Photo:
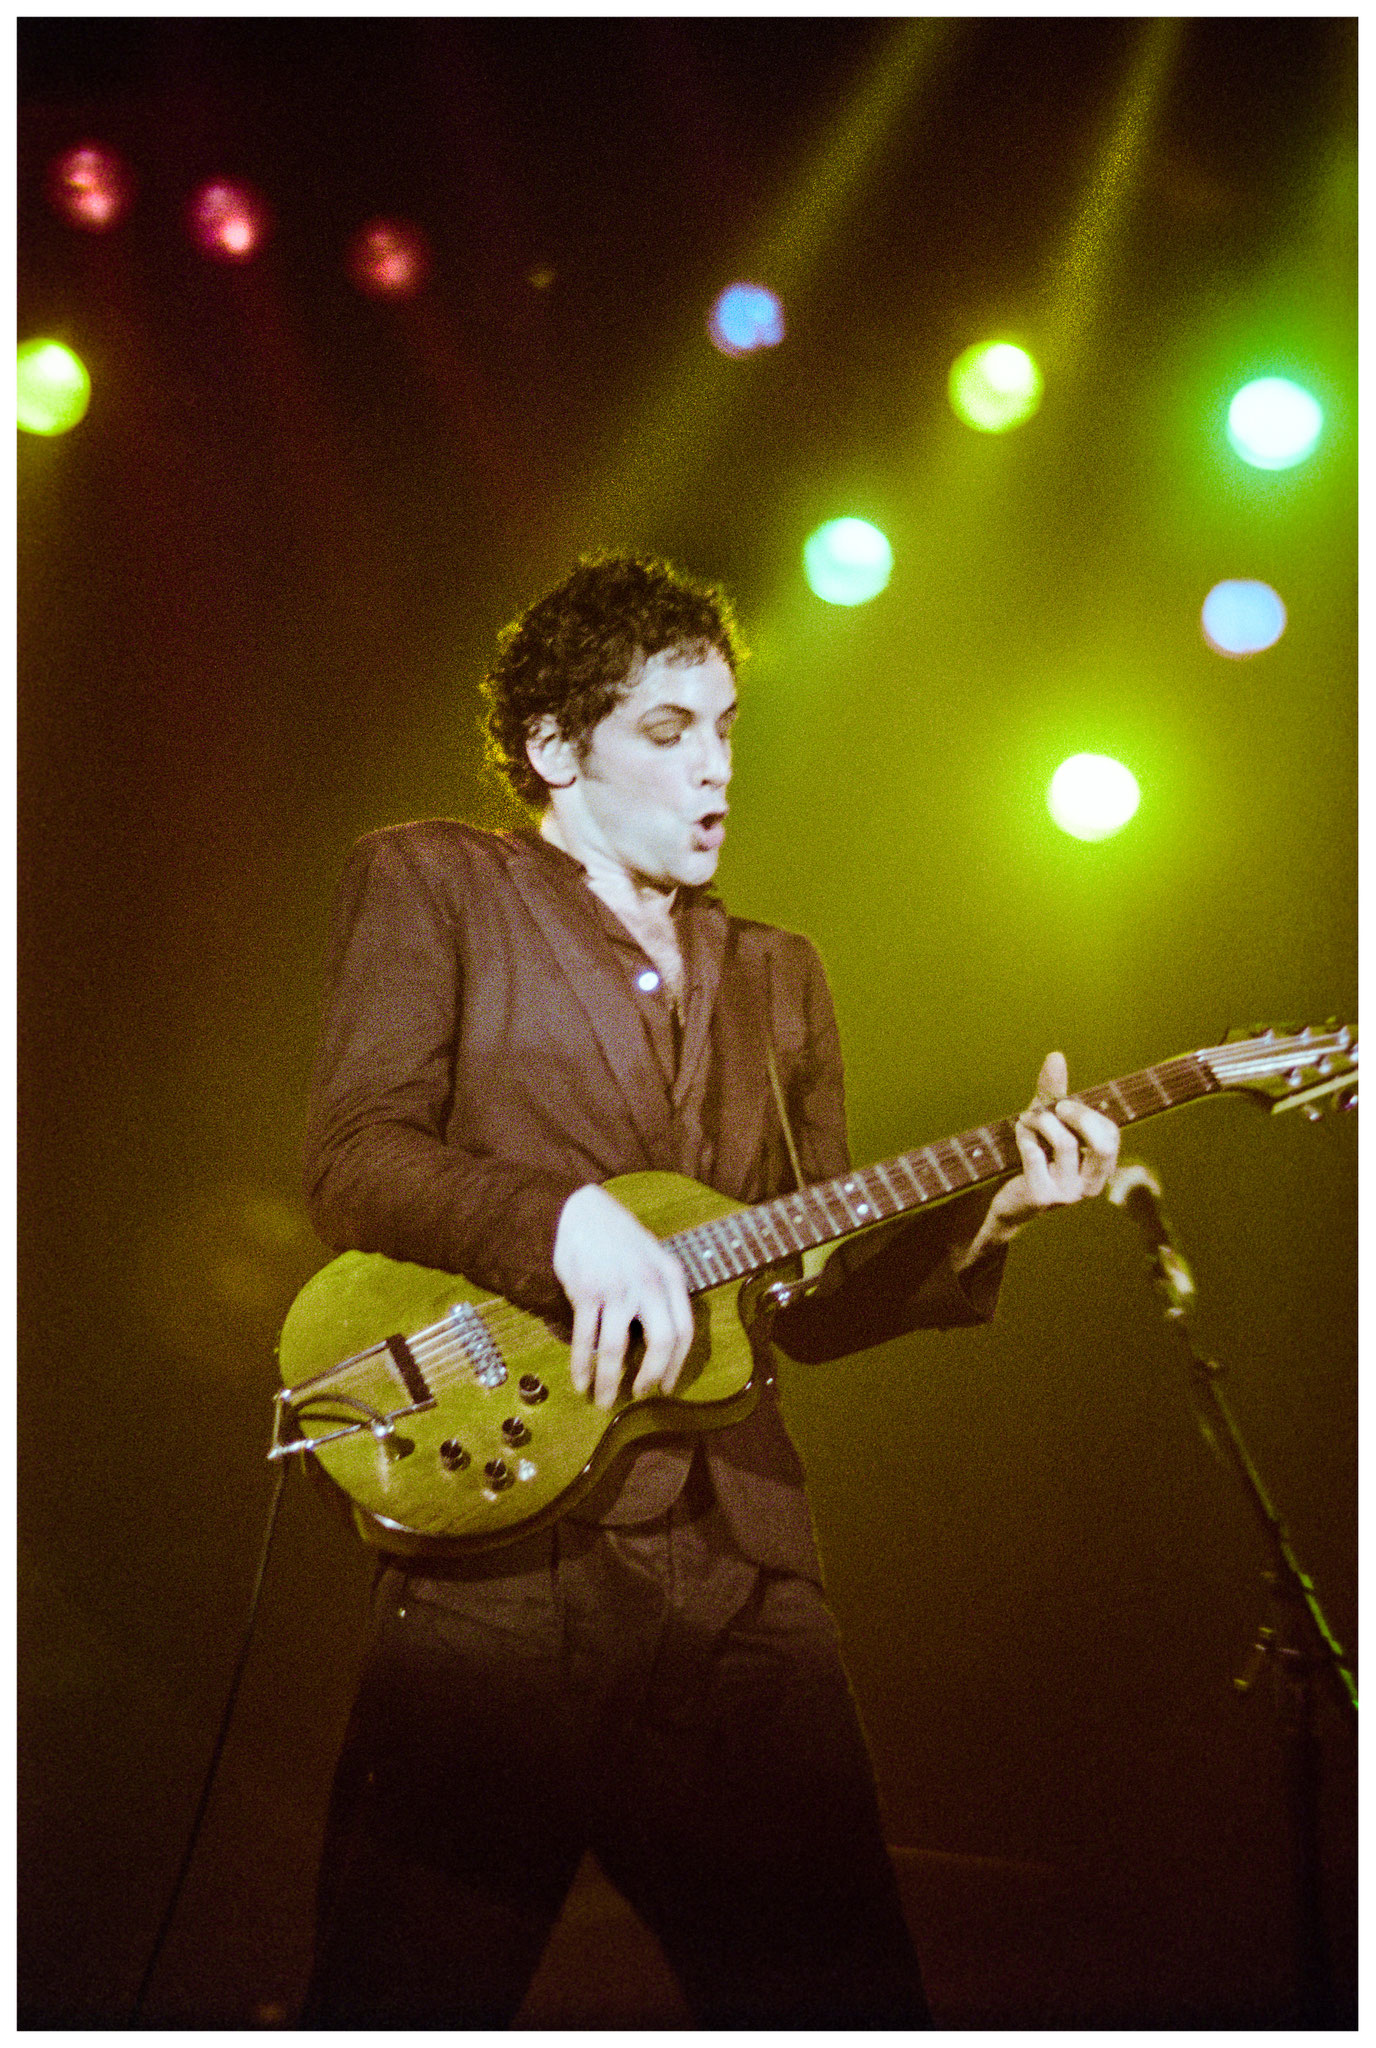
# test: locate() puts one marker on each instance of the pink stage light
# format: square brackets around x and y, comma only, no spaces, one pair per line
[90,186]
[388,259]
[228,221]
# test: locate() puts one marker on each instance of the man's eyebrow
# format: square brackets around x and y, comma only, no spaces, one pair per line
[682,711]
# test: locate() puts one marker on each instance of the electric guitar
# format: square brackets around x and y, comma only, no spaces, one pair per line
[447,1416]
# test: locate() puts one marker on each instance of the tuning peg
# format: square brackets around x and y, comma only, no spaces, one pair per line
[1348,1099]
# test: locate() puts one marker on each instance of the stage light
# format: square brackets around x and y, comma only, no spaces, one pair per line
[745,317]
[54,388]
[1241,618]
[1092,796]
[388,259]
[847,561]
[228,221]
[1273,424]
[90,186]
[994,386]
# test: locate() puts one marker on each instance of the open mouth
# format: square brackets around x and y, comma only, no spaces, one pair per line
[709,831]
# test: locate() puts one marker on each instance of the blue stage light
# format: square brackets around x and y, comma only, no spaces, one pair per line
[1241,617]
[745,317]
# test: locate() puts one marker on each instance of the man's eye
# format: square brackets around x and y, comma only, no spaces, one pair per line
[666,739]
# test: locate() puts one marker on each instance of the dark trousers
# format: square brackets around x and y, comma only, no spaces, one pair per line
[643,1692]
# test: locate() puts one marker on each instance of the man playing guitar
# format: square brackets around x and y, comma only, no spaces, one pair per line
[512,1021]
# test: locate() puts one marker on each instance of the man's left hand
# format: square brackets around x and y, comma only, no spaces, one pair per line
[1068,1154]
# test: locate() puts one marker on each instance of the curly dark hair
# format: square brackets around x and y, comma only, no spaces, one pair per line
[570,655]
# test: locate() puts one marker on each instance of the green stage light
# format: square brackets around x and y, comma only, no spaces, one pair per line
[847,561]
[1273,424]
[54,389]
[1092,796]
[994,386]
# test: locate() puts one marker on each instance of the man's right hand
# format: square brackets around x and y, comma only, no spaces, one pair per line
[616,1272]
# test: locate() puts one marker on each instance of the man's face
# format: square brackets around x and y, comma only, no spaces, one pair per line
[650,787]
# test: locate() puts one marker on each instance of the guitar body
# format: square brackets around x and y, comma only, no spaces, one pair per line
[427,1485]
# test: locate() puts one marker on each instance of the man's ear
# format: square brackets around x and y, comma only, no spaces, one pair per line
[550,754]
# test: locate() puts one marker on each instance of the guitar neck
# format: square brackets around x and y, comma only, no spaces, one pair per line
[749,1240]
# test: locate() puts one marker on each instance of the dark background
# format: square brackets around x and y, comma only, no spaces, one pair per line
[258,585]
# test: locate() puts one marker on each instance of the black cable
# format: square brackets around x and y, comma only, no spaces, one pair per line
[216,1754]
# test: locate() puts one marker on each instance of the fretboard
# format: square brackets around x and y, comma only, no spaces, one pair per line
[747,1241]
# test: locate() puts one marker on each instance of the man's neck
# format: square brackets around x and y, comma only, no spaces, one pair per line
[636,900]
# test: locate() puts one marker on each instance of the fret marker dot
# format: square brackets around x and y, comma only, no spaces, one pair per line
[647,979]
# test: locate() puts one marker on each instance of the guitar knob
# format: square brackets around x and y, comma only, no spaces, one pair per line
[453,1456]
[532,1389]
[497,1474]
[514,1430]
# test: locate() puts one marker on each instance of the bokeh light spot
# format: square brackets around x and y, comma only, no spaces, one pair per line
[389,259]
[847,561]
[1241,617]
[994,386]
[1092,796]
[90,186]
[228,221]
[1273,424]
[745,317]
[54,387]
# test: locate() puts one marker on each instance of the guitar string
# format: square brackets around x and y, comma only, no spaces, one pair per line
[441,1345]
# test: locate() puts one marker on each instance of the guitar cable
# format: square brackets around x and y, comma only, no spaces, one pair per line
[136,2011]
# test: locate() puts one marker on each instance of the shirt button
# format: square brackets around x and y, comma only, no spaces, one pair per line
[647,980]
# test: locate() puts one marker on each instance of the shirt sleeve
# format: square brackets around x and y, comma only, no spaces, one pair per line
[890,1280]
[383,1172]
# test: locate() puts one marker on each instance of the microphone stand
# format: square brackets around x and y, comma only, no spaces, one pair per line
[1295,1643]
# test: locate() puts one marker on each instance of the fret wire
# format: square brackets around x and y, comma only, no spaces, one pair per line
[994,1134]
[1143,1094]
[689,1252]
[875,1192]
[955,1157]
[713,1252]
[820,1193]
[787,1226]
[971,1151]
[827,1228]
[767,1213]
[685,1252]
[898,1203]
[799,1222]
[760,1253]
[730,1246]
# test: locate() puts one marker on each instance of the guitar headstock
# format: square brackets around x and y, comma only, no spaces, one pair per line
[1290,1066]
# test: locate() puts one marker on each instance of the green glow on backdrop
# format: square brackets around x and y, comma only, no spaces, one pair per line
[847,561]
[54,388]
[994,386]
[1273,424]
[1092,796]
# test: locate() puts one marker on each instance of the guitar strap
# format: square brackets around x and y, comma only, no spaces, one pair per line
[774,1081]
